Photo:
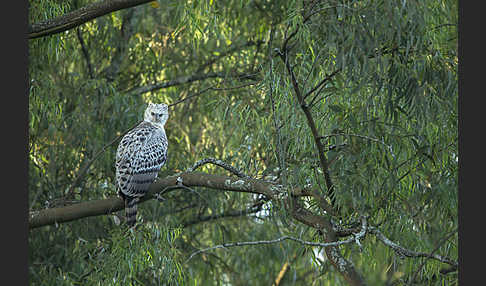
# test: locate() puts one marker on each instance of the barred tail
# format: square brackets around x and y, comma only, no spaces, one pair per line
[131,210]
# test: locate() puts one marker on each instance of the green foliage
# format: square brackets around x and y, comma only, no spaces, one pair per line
[152,259]
[390,113]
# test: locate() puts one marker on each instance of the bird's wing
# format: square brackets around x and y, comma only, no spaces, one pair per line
[139,160]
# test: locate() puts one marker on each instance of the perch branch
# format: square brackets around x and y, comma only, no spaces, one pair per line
[51,216]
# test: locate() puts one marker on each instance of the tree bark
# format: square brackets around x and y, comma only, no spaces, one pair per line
[114,204]
[80,16]
[321,223]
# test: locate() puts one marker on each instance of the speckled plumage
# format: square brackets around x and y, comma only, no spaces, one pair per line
[139,157]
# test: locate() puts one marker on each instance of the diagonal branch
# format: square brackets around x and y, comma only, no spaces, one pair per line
[230,214]
[403,252]
[173,82]
[185,79]
[323,81]
[219,163]
[80,16]
[419,269]
[233,49]
[312,125]
[192,95]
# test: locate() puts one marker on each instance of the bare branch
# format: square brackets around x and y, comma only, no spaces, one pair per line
[403,252]
[230,214]
[82,15]
[192,95]
[186,180]
[312,126]
[233,49]
[389,147]
[265,242]
[219,163]
[321,83]
[188,79]
[173,82]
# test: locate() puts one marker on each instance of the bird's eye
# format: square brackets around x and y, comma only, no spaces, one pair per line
[153,113]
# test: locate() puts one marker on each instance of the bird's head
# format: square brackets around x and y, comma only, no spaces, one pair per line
[157,113]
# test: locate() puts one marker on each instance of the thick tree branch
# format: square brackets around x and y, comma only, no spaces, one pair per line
[80,16]
[345,267]
[110,205]
[247,185]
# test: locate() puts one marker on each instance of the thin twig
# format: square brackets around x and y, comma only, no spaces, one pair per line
[219,163]
[265,242]
[85,53]
[431,253]
[231,50]
[253,209]
[311,70]
[354,238]
[321,83]
[179,185]
[315,97]
[188,79]
[192,95]
[88,164]
[389,147]
[403,252]
[235,87]
[311,13]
